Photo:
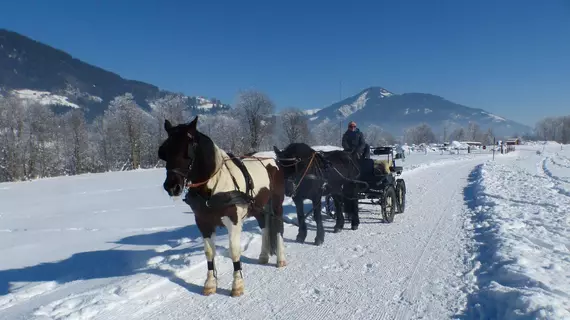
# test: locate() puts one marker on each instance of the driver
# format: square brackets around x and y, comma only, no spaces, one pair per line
[353,141]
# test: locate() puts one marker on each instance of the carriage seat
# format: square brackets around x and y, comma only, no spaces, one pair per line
[383,166]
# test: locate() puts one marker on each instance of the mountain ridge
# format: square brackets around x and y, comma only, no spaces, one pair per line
[397,112]
[30,69]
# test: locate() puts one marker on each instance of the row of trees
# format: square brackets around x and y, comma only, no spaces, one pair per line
[423,133]
[554,129]
[36,142]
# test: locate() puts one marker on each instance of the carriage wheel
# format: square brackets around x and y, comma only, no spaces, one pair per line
[401,195]
[389,204]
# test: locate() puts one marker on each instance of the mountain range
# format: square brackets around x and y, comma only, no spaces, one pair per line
[34,71]
[397,112]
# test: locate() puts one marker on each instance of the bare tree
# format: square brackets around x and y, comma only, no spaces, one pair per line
[488,137]
[226,131]
[295,126]
[420,134]
[446,126]
[124,117]
[375,136]
[76,142]
[327,133]
[12,134]
[457,135]
[254,110]
[473,132]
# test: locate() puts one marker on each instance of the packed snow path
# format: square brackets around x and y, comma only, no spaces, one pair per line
[412,268]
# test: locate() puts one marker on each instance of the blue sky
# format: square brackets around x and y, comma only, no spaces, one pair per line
[508,57]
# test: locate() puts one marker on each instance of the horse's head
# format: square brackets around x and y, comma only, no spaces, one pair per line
[188,154]
[293,161]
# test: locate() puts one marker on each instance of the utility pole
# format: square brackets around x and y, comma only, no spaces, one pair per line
[340,122]
[494,144]
[340,131]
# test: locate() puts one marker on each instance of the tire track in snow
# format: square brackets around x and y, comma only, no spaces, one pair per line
[556,181]
[408,298]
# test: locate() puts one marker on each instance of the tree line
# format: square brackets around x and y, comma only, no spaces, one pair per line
[554,129]
[36,142]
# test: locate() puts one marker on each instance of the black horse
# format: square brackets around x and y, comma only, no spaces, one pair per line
[311,175]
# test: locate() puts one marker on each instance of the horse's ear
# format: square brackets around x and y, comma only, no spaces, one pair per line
[276,150]
[192,126]
[167,125]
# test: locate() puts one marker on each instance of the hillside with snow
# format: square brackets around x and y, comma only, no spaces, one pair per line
[480,239]
[37,73]
[397,112]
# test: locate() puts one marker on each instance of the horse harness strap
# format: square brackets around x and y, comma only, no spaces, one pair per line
[224,199]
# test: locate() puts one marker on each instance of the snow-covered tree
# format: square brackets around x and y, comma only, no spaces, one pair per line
[124,119]
[254,109]
[420,134]
[294,126]
[327,133]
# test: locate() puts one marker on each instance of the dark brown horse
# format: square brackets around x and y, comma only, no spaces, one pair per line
[223,191]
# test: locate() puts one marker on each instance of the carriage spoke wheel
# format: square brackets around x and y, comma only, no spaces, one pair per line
[401,195]
[389,205]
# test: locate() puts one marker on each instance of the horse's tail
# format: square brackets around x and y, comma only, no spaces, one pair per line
[274,225]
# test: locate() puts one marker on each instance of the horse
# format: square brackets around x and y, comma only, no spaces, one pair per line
[311,175]
[223,190]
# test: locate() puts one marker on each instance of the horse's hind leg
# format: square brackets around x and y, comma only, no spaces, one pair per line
[209,235]
[339,225]
[265,245]
[279,228]
[320,238]
[302,234]
[234,226]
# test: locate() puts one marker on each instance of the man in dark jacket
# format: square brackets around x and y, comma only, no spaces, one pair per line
[353,141]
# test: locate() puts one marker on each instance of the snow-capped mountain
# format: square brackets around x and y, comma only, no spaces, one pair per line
[396,112]
[38,73]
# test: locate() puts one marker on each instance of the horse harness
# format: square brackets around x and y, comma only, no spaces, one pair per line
[310,176]
[221,199]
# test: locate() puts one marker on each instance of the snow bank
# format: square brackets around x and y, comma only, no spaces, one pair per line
[520,223]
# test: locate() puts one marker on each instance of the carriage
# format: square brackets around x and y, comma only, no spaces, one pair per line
[384,185]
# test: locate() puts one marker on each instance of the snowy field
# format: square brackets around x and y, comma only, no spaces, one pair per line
[479,240]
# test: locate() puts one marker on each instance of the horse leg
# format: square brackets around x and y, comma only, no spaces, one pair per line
[302,234]
[234,226]
[320,238]
[355,219]
[279,228]
[265,245]
[339,225]
[209,235]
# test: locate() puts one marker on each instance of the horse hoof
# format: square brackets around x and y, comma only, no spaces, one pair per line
[263,260]
[237,292]
[281,264]
[300,239]
[337,229]
[209,291]
[354,227]
[318,242]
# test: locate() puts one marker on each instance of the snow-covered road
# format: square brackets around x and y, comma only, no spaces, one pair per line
[113,246]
